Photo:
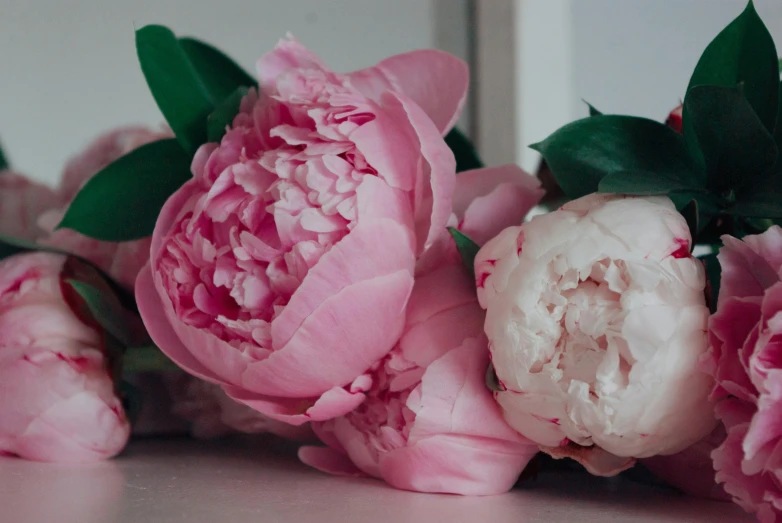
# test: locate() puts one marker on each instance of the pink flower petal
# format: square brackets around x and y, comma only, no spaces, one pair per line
[456,465]
[489,200]
[329,461]
[287,54]
[340,340]
[401,126]
[297,411]
[596,460]
[368,251]
[434,80]
[160,330]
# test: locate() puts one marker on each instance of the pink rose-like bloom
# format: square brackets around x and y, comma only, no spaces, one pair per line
[429,422]
[58,401]
[596,318]
[281,271]
[122,261]
[21,203]
[745,358]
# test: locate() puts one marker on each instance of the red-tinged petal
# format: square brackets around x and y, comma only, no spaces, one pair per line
[456,465]
[370,250]
[434,80]
[339,341]
[329,461]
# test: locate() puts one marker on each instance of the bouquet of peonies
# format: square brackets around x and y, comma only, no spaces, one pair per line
[323,256]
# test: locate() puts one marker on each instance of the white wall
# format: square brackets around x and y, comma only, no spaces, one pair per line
[69,70]
[623,56]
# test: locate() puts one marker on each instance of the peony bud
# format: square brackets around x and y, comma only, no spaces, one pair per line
[57,400]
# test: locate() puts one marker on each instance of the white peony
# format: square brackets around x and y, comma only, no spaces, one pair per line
[597,318]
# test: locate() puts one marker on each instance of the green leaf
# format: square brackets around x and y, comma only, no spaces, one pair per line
[582,153]
[778,125]
[108,311]
[146,359]
[691,216]
[737,148]
[175,84]
[220,75]
[644,183]
[467,248]
[122,202]
[10,246]
[3,160]
[223,116]
[466,156]
[743,52]
[713,275]
[592,110]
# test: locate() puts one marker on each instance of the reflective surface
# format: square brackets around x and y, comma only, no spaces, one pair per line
[173,481]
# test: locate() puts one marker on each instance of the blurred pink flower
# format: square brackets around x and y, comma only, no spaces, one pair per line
[692,470]
[213,414]
[121,261]
[429,422]
[21,203]
[281,270]
[745,358]
[58,401]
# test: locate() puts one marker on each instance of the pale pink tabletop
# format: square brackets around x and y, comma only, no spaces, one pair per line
[180,481]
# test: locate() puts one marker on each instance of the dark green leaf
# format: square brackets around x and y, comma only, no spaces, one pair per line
[122,202]
[582,153]
[220,75]
[737,148]
[224,114]
[175,84]
[643,183]
[778,125]
[691,216]
[3,160]
[713,275]
[743,52]
[146,359]
[108,311]
[466,156]
[592,110]
[10,246]
[467,248]
[768,205]
[132,400]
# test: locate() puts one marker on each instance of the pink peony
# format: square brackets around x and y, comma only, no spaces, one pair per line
[596,319]
[429,423]
[21,202]
[746,361]
[121,261]
[282,269]
[58,401]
